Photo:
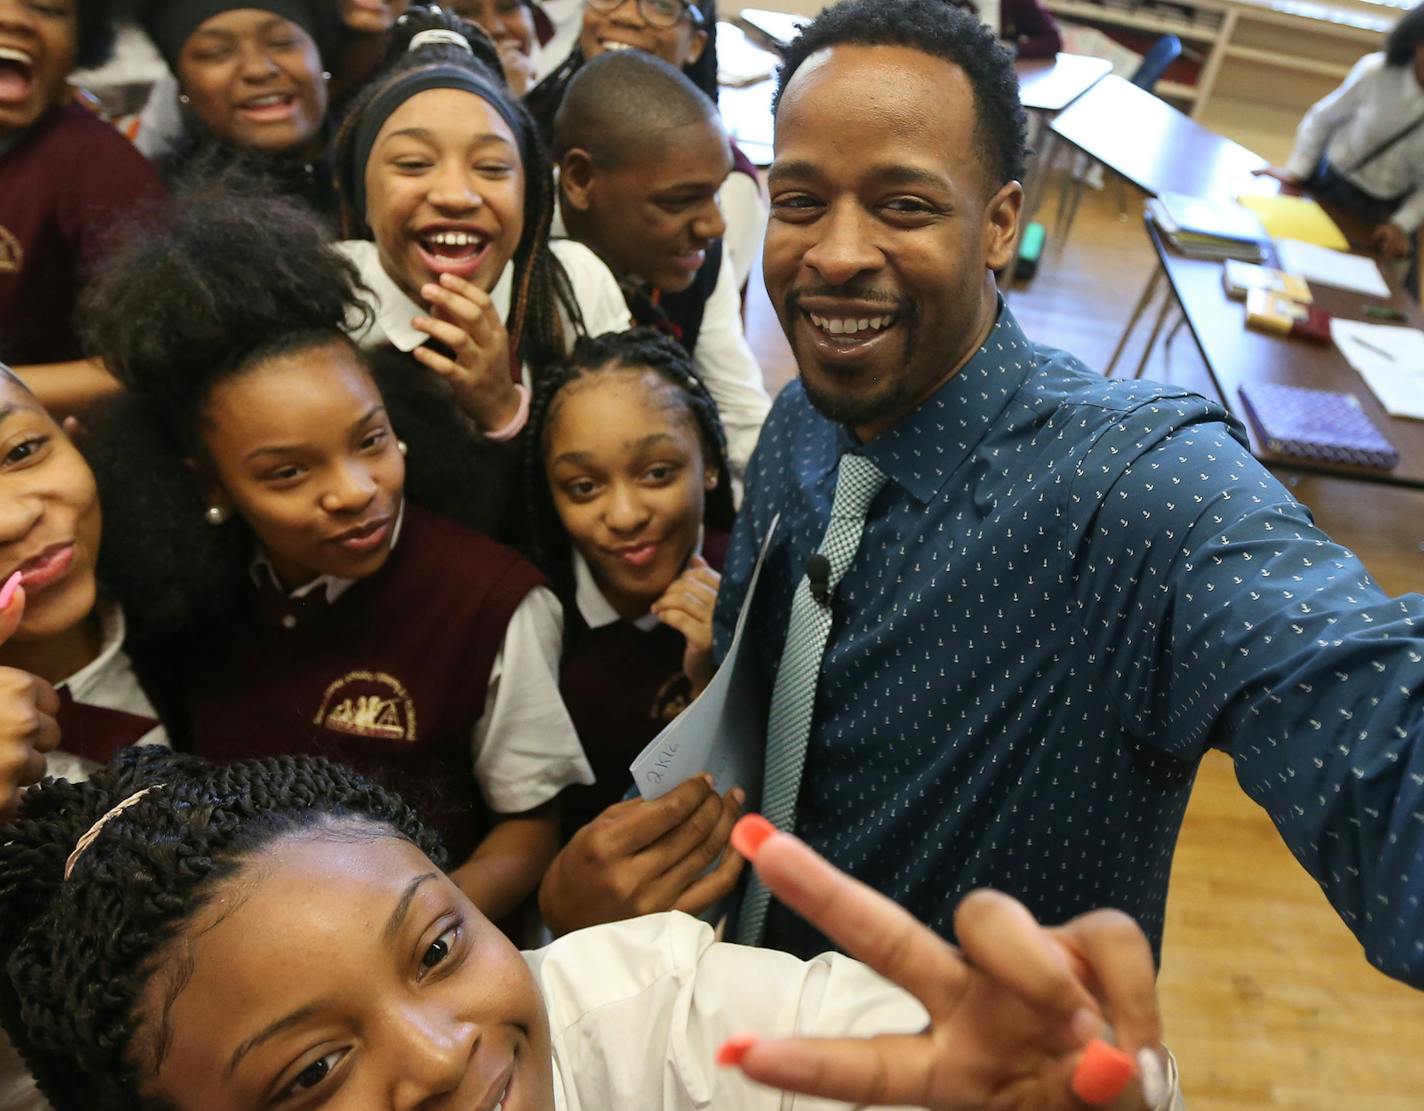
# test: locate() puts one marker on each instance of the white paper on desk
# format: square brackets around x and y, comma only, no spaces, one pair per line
[1321,264]
[1397,380]
[723,731]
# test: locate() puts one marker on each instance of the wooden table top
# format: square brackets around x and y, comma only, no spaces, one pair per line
[1235,354]
[1154,146]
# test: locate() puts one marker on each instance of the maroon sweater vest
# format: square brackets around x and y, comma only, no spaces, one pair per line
[64,187]
[390,679]
[621,686]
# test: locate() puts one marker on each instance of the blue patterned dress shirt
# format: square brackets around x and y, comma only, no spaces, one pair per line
[1068,589]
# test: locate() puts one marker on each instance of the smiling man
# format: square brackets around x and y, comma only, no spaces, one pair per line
[642,154]
[1040,595]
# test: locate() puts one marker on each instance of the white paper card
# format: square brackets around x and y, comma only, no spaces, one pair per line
[723,731]
[1389,358]
[1335,268]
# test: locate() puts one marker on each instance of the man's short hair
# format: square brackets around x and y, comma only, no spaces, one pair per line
[937,28]
[620,100]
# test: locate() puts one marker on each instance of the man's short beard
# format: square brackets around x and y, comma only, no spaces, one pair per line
[859,410]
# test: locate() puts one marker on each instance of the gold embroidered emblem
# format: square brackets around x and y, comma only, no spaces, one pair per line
[368,704]
[12,255]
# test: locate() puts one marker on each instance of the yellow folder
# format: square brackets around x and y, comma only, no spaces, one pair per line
[1295,218]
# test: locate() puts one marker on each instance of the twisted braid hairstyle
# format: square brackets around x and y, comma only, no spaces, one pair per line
[546,541]
[541,287]
[81,950]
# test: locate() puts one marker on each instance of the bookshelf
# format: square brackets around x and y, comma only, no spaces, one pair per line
[1280,55]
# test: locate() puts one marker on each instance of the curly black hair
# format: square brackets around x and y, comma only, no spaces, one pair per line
[543,534]
[230,278]
[81,950]
[541,287]
[938,28]
[1405,38]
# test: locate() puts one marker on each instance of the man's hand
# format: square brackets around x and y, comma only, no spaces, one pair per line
[465,321]
[1011,1010]
[687,605]
[641,857]
[27,726]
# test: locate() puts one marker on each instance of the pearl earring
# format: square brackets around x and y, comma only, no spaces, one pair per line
[215,515]
[326,75]
[184,98]
[402,448]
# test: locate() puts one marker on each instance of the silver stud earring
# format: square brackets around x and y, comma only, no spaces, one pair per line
[184,98]
[326,75]
[402,448]
[215,515]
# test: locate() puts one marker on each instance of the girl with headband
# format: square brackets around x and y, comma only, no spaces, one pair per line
[252,89]
[279,934]
[443,170]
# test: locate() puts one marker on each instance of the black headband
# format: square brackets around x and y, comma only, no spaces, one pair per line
[442,76]
[169,25]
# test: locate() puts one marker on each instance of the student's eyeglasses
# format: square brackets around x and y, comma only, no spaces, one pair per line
[655,13]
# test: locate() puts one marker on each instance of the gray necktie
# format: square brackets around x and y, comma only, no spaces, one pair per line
[794,697]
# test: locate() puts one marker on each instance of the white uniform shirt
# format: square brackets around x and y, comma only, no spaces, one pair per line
[600,301]
[1375,102]
[745,210]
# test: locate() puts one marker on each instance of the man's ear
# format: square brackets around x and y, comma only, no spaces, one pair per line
[1001,225]
[578,179]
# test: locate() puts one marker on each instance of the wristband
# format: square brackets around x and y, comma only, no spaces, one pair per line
[517,422]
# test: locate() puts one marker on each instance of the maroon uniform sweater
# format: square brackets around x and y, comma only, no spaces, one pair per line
[64,185]
[621,685]
[390,678]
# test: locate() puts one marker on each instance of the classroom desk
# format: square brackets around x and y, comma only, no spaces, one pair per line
[1152,145]
[1046,85]
[1234,354]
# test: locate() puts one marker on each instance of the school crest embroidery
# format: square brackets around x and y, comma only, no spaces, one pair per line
[368,704]
[12,255]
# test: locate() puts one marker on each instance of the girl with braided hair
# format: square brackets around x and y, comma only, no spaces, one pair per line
[447,195]
[264,540]
[630,507]
[279,934]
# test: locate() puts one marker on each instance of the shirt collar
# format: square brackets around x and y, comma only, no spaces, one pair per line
[595,609]
[334,585]
[393,309]
[112,630]
[927,445]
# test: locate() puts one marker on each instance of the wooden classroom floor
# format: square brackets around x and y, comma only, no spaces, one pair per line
[1268,1000]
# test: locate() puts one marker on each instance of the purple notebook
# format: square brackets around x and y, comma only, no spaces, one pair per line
[1316,424]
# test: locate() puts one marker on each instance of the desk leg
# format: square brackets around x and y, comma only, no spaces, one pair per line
[1142,303]
[1156,331]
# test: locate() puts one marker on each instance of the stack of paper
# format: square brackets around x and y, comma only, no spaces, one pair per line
[1391,361]
[1321,264]
[1202,229]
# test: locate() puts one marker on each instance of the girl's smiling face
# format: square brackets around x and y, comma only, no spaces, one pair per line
[38,41]
[49,516]
[626,472]
[300,446]
[445,191]
[254,80]
[341,969]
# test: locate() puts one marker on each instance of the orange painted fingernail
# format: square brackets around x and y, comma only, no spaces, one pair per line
[7,592]
[750,833]
[1102,1073]
[735,1048]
